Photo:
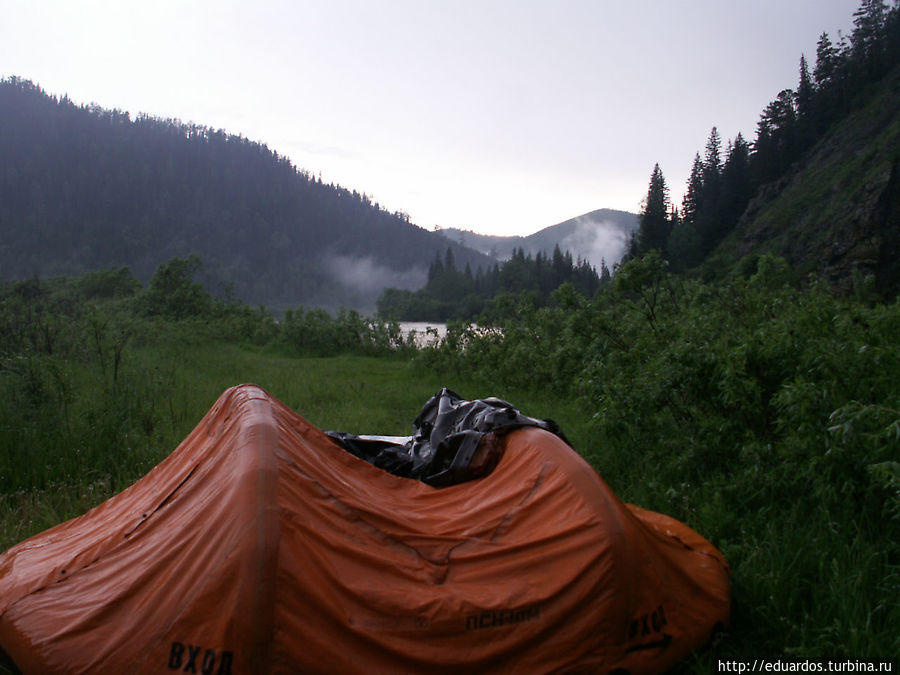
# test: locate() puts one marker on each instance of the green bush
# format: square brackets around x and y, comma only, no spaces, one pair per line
[174,294]
[315,332]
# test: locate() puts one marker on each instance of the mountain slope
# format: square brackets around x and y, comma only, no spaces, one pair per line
[838,211]
[83,188]
[599,235]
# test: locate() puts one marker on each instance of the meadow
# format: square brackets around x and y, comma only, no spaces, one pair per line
[762,411]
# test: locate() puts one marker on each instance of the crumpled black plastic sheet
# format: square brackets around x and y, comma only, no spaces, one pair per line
[447,446]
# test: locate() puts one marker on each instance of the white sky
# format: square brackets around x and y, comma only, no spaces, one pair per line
[500,116]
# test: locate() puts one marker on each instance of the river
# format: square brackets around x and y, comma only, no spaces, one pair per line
[423,337]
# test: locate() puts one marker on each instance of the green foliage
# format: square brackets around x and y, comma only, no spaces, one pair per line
[314,332]
[78,445]
[685,246]
[810,130]
[96,363]
[173,293]
[412,305]
[108,284]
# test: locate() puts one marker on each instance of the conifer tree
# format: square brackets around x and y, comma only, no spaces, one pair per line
[825,70]
[828,79]
[866,41]
[776,138]
[737,187]
[804,91]
[708,216]
[436,268]
[449,263]
[806,131]
[605,275]
[693,198]
[654,227]
[712,160]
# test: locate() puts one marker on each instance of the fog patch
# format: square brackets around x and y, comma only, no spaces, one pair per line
[365,278]
[596,241]
[365,273]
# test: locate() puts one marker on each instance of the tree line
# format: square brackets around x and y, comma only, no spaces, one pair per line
[453,293]
[723,181]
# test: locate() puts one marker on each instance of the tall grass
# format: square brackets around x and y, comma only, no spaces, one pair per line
[64,453]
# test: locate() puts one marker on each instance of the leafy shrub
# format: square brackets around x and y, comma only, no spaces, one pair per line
[315,332]
[174,294]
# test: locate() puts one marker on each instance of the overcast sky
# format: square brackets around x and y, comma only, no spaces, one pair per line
[500,116]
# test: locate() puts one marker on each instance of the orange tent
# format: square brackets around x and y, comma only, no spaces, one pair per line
[259,545]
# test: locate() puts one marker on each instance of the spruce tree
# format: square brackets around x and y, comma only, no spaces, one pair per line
[825,70]
[806,128]
[605,275]
[828,79]
[712,161]
[804,91]
[693,198]
[653,230]
[866,41]
[737,187]
[436,268]
[708,217]
[449,263]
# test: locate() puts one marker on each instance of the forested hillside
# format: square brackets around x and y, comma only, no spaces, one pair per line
[837,213]
[818,185]
[84,188]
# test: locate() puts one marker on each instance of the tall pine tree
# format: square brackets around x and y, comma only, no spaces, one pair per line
[693,198]
[867,40]
[653,231]
[737,187]
[708,217]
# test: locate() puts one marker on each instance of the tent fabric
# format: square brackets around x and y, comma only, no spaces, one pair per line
[259,545]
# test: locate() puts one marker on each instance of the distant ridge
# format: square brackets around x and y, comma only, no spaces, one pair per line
[600,235]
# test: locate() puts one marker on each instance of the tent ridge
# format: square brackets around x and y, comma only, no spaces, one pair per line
[262,434]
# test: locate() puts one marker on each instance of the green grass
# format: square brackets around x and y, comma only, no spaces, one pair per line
[63,455]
